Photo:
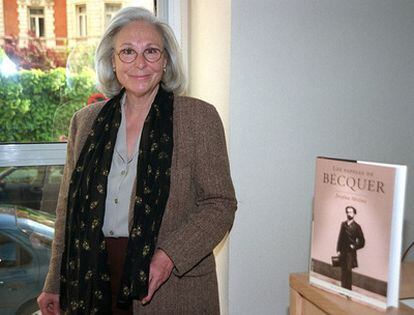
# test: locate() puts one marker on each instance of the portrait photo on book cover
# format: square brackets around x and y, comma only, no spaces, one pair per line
[350,239]
[351,229]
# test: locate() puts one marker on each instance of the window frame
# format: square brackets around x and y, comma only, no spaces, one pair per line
[38,20]
[176,14]
[81,20]
[108,15]
[32,154]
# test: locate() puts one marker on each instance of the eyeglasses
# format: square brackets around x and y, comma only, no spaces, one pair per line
[150,54]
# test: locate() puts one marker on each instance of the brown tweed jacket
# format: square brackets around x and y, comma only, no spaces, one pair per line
[199,211]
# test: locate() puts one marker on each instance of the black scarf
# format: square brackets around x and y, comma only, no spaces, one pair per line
[85,279]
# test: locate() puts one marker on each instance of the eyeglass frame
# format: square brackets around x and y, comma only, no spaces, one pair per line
[143,54]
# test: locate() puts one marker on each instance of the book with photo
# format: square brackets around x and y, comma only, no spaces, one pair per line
[358,211]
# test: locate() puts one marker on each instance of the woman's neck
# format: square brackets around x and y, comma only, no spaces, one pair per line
[136,104]
[136,110]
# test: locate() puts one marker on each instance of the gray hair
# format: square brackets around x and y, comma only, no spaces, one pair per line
[173,78]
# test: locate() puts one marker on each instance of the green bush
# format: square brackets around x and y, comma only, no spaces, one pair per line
[36,106]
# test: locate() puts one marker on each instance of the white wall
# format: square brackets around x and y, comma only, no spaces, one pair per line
[209,53]
[209,76]
[309,78]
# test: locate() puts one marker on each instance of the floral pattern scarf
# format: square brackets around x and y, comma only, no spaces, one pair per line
[85,279]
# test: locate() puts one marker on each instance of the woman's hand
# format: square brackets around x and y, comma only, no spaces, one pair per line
[160,270]
[49,303]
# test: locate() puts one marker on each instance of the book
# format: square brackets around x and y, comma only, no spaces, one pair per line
[358,210]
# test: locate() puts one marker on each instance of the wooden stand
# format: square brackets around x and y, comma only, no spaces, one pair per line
[407,280]
[306,299]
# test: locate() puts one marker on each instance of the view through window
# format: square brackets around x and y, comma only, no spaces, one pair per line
[47,63]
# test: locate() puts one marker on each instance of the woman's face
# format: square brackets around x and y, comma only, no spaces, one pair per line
[140,77]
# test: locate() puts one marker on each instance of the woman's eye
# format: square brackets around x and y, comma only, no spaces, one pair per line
[151,50]
[128,51]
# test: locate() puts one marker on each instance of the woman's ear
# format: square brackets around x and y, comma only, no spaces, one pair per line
[113,63]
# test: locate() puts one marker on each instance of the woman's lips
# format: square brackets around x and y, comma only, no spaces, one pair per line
[140,76]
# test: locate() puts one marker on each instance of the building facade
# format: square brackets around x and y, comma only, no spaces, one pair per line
[60,24]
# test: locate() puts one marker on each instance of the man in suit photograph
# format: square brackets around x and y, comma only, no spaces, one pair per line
[350,239]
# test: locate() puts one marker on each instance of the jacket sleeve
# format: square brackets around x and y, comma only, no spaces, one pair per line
[340,236]
[215,201]
[359,240]
[51,284]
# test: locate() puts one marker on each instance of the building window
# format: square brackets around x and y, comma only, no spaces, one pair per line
[37,21]
[110,10]
[81,20]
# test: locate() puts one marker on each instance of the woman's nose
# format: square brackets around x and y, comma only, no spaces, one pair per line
[140,61]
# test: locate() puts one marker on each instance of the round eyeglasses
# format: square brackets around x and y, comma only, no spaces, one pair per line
[151,54]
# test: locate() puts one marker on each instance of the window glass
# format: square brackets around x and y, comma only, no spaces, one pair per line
[8,252]
[12,254]
[110,10]
[33,187]
[81,19]
[15,175]
[37,21]
[47,64]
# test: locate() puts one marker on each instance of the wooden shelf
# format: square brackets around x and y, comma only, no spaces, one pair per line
[306,299]
[407,280]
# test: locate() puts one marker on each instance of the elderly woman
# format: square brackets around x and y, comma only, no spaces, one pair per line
[146,192]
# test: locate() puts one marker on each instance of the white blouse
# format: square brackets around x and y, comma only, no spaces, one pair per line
[121,181]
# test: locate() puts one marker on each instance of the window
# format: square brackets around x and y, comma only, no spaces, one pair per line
[110,10]
[34,187]
[58,79]
[12,254]
[15,175]
[81,19]
[37,21]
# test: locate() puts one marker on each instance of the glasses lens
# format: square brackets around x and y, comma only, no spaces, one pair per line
[127,55]
[152,54]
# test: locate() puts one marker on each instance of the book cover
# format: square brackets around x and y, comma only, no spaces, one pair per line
[358,211]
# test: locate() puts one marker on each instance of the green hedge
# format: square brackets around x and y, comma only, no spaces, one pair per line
[36,106]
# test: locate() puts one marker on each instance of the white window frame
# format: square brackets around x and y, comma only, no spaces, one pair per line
[81,20]
[32,154]
[108,15]
[175,13]
[37,19]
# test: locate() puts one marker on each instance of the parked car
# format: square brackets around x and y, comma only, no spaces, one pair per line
[35,187]
[25,245]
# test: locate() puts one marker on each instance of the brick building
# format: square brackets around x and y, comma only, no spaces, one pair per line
[60,23]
